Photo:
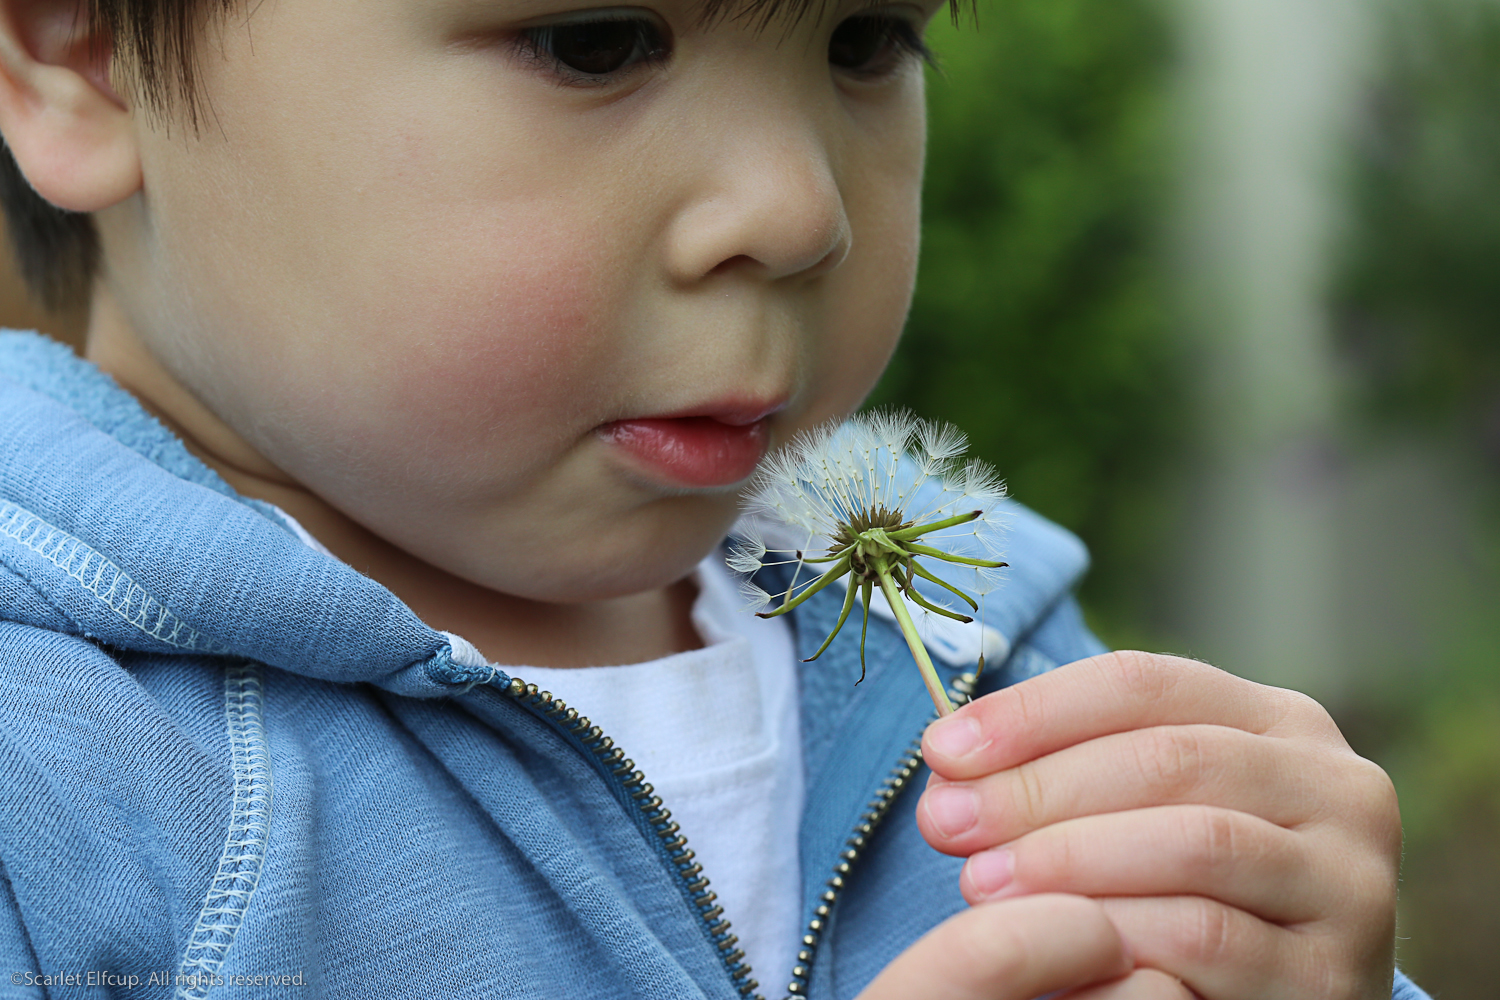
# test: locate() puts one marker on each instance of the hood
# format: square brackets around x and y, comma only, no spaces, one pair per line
[111,531]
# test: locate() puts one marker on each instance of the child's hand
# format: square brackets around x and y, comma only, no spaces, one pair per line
[1018,949]
[1226,827]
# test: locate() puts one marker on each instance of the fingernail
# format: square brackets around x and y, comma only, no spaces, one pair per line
[991,871]
[953,809]
[956,736]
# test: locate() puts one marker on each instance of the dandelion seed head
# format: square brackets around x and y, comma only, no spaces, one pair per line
[828,477]
[878,499]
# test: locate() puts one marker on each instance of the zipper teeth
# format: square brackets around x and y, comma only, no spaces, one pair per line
[690,871]
[658,817]
[900,776]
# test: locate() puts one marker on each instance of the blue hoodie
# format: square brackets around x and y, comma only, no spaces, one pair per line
[231,764]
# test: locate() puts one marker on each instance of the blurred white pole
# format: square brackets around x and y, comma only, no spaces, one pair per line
[1269,89]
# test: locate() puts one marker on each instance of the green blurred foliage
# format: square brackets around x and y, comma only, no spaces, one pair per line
[1044,326]
[1418,307]
[1420,298]
[1442,750]
[1040,324]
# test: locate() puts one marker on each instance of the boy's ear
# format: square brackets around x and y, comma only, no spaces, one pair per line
[71,134]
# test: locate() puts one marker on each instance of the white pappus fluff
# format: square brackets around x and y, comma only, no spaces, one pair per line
[912,470]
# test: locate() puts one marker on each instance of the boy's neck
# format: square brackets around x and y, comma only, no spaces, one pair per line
[506,629]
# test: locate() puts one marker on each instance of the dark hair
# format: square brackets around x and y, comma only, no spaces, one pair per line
[154,45]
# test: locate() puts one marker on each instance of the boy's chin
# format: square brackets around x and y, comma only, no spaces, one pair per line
[601,584]
[652,547]
[580,581]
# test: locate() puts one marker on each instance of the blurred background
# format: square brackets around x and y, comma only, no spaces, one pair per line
[1216,284]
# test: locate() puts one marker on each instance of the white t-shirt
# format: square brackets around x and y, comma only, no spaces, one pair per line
[716,731]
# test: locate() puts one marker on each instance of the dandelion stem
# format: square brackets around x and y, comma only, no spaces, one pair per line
[914,643]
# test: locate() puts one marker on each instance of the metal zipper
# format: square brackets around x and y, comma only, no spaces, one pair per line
[960,693]
[658,820]
[673,844]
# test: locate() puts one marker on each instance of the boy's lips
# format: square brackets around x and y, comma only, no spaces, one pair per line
[694,450]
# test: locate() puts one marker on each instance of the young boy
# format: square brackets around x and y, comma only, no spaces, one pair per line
[435,338]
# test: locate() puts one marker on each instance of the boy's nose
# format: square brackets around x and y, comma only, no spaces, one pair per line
[770,206]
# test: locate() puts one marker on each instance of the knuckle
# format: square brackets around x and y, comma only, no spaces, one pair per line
[1029,797]
[1143,674]
[1303,711]
[1214,842]
[987,943]
[1062,855]
[1371,905]
[1377,797]
[1025,715]
[1210,933]
[1170,759]
[1368,803]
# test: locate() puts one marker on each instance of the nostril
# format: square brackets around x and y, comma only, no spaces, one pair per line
[828,262]
[735,263]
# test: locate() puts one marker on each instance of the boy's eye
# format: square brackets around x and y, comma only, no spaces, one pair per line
[585,50]
[872,45]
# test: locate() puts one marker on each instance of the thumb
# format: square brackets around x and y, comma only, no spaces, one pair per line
[1014,949]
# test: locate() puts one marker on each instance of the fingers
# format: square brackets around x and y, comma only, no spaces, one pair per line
[1233,905]
[1142,984]
[1235,839]
[1224,953]
[1016,949]
[1159,766]
[1113,693]
[1229,856]
[1221,952]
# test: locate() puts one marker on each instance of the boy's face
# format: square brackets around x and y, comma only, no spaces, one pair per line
[444,277]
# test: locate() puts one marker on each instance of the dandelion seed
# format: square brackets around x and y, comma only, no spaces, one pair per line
[747,556]
[853,490]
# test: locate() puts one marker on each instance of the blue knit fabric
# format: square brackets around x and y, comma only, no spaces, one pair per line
[229,763]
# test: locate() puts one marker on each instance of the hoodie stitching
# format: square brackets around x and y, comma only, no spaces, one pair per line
[240,863]
[106,582]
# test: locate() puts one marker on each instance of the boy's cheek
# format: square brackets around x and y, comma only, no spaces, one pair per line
[433,362]
[484,357]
